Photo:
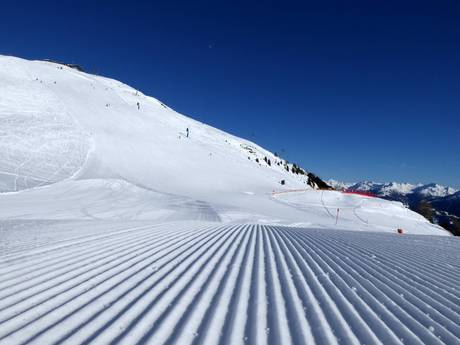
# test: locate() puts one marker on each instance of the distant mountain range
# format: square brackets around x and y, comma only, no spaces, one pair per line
[404,191]
[440,204]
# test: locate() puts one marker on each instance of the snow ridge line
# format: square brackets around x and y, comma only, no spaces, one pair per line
[233,284]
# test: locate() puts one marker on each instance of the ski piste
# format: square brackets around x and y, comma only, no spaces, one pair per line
[116,228]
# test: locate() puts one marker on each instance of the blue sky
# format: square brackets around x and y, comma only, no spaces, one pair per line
[352,90]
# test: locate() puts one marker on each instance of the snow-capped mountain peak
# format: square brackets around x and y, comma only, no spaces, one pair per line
[390,188]
[434,190]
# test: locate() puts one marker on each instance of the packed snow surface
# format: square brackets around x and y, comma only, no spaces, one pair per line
[81,282]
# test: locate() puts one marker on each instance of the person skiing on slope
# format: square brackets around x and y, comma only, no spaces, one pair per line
[188,132]
[138,106]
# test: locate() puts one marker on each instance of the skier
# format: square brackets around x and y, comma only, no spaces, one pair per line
[188,132]
[138,106]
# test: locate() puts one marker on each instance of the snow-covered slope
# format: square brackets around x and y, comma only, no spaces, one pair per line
[99,149]
[54,118]
[439,203]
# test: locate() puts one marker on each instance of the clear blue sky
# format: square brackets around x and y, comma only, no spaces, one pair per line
[350,89]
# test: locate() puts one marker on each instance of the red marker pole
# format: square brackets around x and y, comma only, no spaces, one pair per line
[337,217]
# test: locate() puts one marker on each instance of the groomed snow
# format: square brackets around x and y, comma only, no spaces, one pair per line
[189,283]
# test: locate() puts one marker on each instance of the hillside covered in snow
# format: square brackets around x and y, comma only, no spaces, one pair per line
[76,145]
[439,204]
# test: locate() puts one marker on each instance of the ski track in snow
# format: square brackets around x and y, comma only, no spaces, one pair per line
[232,284]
